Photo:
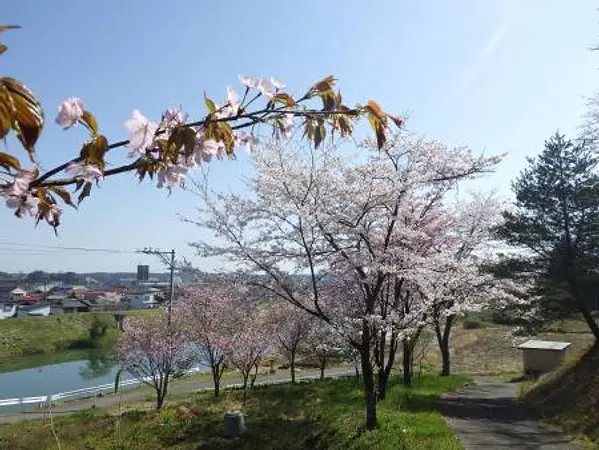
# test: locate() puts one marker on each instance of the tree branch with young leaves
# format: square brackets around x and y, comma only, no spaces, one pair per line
[166,150]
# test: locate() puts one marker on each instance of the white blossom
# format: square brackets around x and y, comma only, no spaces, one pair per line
[69,112]
[142,132]
[85,171]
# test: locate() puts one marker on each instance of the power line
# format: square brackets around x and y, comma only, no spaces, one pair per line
[40,247]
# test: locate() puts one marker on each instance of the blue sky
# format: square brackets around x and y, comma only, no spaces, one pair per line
[498,76]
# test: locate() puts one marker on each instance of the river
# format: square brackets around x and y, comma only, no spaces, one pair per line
[95,368]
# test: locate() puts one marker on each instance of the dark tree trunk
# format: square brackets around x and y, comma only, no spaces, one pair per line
[292,366]
[443,341]
[368,378]
[323,366]
[357,367]
[245,385]
[385,371]
[216,375]
[407,363]
[253,379]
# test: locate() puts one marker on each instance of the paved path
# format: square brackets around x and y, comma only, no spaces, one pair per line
[183,386]
[487,415]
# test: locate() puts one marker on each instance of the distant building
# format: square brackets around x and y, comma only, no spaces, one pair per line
[143,273]
[70,306]
[142,300]
[7,284]
[17,294]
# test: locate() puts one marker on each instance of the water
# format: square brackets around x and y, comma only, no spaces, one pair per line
[95,370]
[51,379]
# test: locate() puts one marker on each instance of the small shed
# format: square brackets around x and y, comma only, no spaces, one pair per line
[542,356]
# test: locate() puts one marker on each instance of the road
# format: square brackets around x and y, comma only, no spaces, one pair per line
[181,387]
[488,415]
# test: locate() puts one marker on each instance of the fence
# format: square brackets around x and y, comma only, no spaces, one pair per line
[93,391]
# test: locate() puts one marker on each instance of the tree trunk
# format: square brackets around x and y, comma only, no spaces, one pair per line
[368,378]
[588,317]
[292,366]
[245,385]
[253,380]
[443,341]
[216,379]
[159,398]
[357,367]
[407,363]
[323,365]
[385,371]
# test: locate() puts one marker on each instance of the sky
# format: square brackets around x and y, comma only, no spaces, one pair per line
[499,76]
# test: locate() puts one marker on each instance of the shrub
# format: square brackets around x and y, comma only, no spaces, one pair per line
[472,324]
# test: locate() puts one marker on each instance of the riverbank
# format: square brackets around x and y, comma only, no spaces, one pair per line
[28,342]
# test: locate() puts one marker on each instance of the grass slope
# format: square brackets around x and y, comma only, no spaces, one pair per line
[317,415]
[569,397]
[43,335]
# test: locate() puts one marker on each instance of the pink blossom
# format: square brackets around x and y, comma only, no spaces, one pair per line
[85,171]
[277,84]
[25,205]
[172,116]
[288,125]
[69,112]
[142,133]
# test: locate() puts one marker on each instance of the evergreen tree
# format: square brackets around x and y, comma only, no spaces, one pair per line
[556,222]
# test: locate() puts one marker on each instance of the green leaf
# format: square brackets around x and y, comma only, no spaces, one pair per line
[28,118]
[63,194]
[9,162]
[87,188]
[91,121]
[209,104]
[379,130]
[3,48]
[94,150]
[117,380]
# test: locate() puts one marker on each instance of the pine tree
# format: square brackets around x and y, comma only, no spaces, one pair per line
[556,222]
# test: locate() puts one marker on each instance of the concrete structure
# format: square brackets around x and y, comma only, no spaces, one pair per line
[542,356]
[35,311]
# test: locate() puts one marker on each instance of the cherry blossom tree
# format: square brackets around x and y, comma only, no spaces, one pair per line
[455,282]
[164,150]
[154,351]
[321,341]
[208,315]
[291,327]
[249,345]
[358,219]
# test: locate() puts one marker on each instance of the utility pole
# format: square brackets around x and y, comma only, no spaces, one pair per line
[168,258]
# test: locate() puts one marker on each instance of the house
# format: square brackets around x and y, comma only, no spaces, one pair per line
[34,311]
[31,299]
[56,299]
[142,300]
[17,293]
[7,310]
[70,306]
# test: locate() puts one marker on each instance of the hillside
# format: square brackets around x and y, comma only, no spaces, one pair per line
[570,397]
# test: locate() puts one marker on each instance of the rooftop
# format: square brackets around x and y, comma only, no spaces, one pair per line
[544,345]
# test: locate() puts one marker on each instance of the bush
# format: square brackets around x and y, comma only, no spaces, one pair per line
[472,324]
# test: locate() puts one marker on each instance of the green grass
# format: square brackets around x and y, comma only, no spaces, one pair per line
[34,336]
[316,415]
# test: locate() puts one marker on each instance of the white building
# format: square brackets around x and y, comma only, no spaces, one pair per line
[17,294]
[142,300]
